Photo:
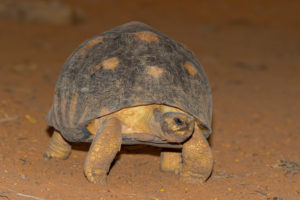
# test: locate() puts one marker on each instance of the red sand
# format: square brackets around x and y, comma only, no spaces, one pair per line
[251,53]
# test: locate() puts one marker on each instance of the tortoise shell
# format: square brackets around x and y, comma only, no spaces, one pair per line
[130,65]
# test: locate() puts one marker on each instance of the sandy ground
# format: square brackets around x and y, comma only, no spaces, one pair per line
[251,53]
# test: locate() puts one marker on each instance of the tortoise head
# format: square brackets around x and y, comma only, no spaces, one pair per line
[176,127]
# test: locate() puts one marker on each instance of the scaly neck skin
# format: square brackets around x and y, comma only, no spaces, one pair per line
[151,136]
[154,124]
[140,125]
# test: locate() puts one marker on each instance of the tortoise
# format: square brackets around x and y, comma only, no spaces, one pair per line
[133,85]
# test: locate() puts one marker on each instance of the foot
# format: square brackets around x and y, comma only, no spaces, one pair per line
[58,147]
[96,176]
[171,162]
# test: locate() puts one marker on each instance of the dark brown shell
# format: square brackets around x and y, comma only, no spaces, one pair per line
[130,65]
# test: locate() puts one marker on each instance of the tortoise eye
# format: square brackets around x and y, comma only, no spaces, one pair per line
[178,121]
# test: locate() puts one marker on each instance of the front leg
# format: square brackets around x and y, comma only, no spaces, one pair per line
[103,150]
[197,158]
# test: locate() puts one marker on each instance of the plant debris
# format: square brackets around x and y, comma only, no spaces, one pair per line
[3,196]
[30,119]
[290,167]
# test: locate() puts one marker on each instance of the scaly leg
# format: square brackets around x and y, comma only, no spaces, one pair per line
[171,162]
[103,150]
[58,147]
[197,158]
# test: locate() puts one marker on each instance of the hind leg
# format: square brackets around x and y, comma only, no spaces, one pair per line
[171,162]
[58,147]
[105,146]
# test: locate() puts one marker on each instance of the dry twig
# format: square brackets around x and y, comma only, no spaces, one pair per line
[29,196]
[9,119]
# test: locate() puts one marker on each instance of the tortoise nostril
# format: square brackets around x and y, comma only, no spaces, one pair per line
[178,121]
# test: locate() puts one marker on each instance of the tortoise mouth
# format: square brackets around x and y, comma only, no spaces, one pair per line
[177,137]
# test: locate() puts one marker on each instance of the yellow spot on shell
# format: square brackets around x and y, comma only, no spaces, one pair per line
[83,115]
[147,36]
[155,71]
[72,109]
[162,190]
[63,107]
[109,64]
[90,44]
[30,119]
[190,68]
